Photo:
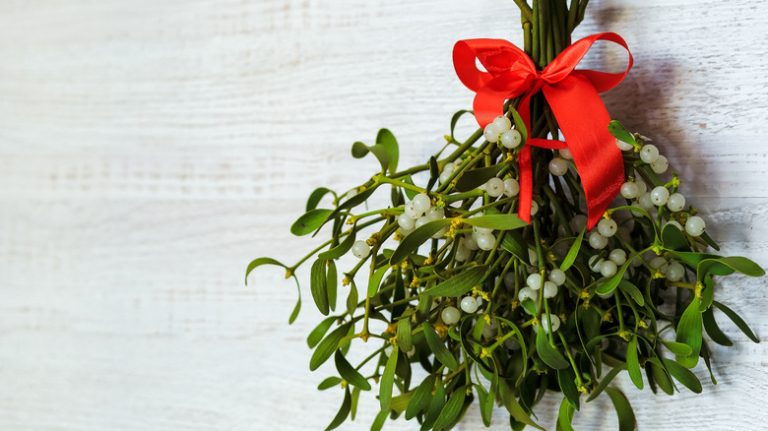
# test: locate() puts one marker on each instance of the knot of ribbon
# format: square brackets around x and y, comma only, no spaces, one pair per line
[572,95]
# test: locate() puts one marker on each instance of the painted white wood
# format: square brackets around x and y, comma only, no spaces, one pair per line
[149,149]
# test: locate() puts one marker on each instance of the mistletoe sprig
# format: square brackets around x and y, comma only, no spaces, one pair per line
[499,310]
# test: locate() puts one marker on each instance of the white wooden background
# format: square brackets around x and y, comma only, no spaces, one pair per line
[149,149]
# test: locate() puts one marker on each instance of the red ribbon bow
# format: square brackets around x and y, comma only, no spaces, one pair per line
[574,98]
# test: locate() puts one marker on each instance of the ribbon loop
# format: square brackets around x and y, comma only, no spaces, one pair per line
[573,96]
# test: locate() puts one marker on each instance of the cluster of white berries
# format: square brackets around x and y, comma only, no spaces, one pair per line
[496,187]
[608,267]
[673,271]
[659,196]
[469,304]
[419,212]
[535,282]
[501,131]
[606,228]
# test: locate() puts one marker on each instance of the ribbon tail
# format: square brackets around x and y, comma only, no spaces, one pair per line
[584,120]
[526,184]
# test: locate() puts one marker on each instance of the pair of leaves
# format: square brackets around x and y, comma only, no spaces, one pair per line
[385,149]
[323,284]
[269,261]
[689,332]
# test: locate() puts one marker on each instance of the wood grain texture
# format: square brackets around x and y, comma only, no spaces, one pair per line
[149,149]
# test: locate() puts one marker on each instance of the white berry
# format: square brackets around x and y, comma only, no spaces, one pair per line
[659,196]
[630,190]
[607,227]
[494,187]
[421,203]
[511,187]
[565,153]
[406,222]
[558,167]
[608,268]
[534,281]
[502,123]
[527,293]
[450,315]
[676,202]
[649,153]
[553,321]
[360,249]
[618,256]
[597,241]
[411,211]
[695,226]
[595,262]
[659,263]
[462,254]
[645,201]
[660,165]
[624,146]
[550,289]
[557,276]
[468,304]
[511,139]
[491,133]
[675,272]
[485,241]
[469,242]
[675,224]
[534,208]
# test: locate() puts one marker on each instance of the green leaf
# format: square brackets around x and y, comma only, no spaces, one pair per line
[513,243]
[630,289]
[385,150]
[410,244]
[517,120]
[623,409]
[316,196]
[421,397]
[570,257]
[660,375]
[310,221]
[619,132]
[565,379]
[326,347]
[565,416]
[678,348]
[400,402]
[353,407]
[450,412]
[295,312]
[473,178]
[317,334]
[349,373]
[496,222]
[435,406]
[378,422]
[404,334]
[388,380]
[735,318]
[438,347]
[727,266]
[605,381]
[455,119]
[318,286]
[548,353]
[434,172]
[683,375]
[331,283]
[259,262]
[486,402]
[375,280]
[328,383]
[459,284]
[633,365]
[514,408]
[341,416]
[352,299]
[386,140]
[339,250]
[689,332]
[350,203]
[713,330]
[673,238]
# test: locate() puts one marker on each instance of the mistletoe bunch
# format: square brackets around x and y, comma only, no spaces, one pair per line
[498,309]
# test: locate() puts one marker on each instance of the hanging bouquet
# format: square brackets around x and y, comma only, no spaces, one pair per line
[522,263]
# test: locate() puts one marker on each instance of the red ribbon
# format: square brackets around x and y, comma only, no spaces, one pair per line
[573,96]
